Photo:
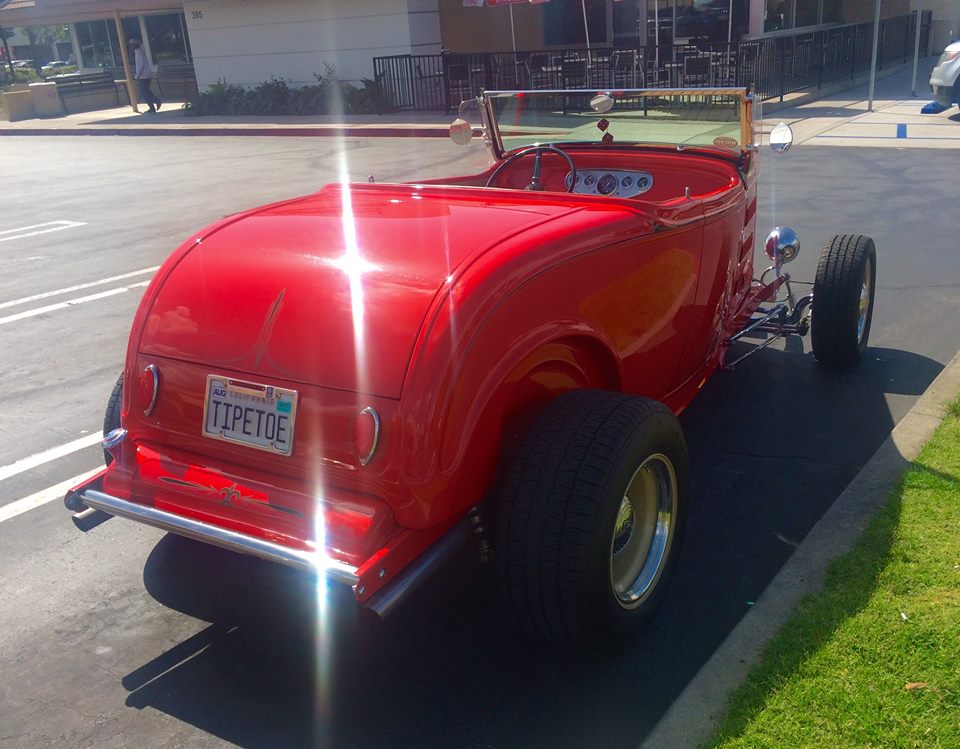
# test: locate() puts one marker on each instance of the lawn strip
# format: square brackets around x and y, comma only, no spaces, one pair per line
[871,661]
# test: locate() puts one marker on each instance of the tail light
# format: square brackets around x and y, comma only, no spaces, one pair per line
[148,388]
[366,434]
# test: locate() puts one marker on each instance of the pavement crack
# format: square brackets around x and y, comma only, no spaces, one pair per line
[775,456]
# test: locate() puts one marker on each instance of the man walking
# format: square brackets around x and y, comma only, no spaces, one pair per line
[143,73]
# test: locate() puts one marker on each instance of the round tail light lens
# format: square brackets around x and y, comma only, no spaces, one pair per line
[366,434]
[148,387]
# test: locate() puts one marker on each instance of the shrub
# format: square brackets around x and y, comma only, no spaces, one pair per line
[274,97]
[220,98]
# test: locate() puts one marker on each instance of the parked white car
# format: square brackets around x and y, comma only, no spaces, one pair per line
[945,78]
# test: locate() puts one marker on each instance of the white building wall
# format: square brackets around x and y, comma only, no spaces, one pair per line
[247,42]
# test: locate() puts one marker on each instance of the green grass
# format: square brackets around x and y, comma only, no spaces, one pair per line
[888,616]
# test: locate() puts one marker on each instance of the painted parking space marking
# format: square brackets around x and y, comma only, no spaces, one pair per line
[42,497]
[54,453]
[78,287]
[31,231]
[70,303]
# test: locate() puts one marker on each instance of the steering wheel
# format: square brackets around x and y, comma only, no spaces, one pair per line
[535,183]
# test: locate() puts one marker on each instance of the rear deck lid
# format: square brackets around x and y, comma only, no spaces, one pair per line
[330,290]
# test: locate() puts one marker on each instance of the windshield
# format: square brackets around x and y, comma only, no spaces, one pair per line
[716,118]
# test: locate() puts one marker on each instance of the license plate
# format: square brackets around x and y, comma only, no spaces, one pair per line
[248,413]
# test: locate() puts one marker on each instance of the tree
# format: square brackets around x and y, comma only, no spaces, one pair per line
[48,35]
[44,36]
[4,35]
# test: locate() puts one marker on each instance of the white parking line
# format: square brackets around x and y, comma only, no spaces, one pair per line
[78,287]
[54,453]
[43,496]
[31,231]
[69,303]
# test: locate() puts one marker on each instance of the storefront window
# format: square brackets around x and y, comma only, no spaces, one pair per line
[660,22]
[168,38]
[99,45]
[788,14]
[832,11]
[807,13]
[563,23]
[779,15]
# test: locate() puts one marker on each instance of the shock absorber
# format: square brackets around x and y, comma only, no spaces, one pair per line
[480,534]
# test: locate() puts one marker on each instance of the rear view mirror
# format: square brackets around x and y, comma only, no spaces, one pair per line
[601,103]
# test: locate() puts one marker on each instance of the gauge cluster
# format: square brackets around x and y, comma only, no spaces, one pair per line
[604,182]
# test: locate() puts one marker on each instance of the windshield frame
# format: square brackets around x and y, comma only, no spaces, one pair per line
[495,140]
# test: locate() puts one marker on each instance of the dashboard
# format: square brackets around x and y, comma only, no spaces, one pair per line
[624,184]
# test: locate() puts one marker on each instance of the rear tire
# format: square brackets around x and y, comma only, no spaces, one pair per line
[590,518]
[843,293]
[111,419]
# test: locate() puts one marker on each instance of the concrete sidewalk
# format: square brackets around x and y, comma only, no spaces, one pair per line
[172,120]
[832,116]
[841,118]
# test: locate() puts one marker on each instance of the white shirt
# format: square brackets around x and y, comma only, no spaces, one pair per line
[142,67]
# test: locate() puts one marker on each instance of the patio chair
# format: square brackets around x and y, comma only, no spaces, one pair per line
[457,78]
[696,70]
[624,67]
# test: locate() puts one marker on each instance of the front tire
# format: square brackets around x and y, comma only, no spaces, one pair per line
[843,293]
[590,518]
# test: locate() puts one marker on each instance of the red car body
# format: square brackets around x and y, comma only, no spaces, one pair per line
[455,311]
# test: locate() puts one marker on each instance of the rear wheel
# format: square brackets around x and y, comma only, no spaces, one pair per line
[843,293]
[111,419]
[590,518]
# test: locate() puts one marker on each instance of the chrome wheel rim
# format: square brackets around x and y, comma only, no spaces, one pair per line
[643,531]
[864,309]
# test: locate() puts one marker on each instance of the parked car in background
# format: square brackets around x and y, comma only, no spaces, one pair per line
[58,64]
[945,78]
[23,63]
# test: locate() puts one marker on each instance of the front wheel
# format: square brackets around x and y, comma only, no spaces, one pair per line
[843,293]
[590,518]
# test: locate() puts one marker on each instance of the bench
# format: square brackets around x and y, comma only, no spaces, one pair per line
[72,85]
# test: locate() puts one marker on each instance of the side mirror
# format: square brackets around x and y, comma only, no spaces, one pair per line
[461,132]
[781,138]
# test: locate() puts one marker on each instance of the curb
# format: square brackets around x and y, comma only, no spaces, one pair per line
[695,714]
[418,131]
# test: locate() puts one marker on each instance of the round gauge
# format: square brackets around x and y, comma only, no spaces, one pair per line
[607,184]
[627,182]
[589,180]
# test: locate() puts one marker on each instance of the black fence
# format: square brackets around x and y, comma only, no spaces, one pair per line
[773,67]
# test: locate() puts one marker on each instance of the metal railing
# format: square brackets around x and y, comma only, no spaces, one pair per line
[773,67]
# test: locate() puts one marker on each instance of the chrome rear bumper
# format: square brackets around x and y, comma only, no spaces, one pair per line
[91,497]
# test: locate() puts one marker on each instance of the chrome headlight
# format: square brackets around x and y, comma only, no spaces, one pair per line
[782,246]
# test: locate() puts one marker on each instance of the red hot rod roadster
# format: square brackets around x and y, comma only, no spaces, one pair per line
[354,381]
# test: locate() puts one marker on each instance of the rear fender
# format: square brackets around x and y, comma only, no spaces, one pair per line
[481,420]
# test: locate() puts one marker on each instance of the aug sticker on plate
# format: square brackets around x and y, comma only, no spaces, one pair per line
[247,413]
[725,141]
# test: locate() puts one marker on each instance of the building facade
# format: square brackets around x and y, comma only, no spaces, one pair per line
[247,42]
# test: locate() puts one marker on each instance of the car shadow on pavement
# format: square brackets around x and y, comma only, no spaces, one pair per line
[772,444]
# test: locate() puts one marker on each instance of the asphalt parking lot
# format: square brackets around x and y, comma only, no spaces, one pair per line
[126,636]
